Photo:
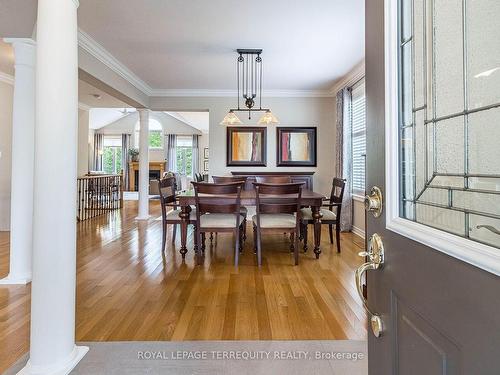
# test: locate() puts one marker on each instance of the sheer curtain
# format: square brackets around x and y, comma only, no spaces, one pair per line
[343,166]
[98,151]
[196,155]
[171,156]
[125,158]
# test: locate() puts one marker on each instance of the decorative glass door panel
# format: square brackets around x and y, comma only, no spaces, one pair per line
[449,105]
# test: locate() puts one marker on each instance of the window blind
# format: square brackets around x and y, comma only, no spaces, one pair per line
[358,132]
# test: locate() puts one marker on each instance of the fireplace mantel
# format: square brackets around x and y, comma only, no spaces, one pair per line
[134,166]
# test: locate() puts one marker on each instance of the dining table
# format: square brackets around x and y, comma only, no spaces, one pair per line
[248,198]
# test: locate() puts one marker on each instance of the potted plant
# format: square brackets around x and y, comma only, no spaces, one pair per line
[134,154]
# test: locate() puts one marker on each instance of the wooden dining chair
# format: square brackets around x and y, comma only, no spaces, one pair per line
[167,188]
[273,179]
[278,210]
[330,216]
[244,210]
[218,210]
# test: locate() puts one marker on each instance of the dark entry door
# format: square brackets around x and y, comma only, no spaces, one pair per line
[433,135]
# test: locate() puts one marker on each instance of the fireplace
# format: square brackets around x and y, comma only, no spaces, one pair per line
[156,170]
[154,174]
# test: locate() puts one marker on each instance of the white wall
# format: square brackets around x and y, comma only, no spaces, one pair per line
[291,111]
[6,95]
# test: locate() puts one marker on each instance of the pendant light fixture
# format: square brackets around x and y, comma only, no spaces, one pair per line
[249,83]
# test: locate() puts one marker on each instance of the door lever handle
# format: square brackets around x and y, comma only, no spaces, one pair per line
[376,260]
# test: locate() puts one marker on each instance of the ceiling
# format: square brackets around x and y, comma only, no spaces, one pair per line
[190,45]
[93,97]
[198,120]
[100,117]
[179,44]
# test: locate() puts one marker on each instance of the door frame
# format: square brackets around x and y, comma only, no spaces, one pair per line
[475,253]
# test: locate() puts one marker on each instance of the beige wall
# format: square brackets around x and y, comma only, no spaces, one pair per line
[319,112]
[83,142]
[6,95]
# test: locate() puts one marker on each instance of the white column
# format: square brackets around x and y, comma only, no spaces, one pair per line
[23,158]
[143,165]
[52,344]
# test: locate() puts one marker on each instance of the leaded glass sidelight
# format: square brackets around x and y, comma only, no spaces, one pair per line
[449,105]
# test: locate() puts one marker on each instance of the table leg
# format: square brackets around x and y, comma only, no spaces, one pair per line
[316,214]
[184,215]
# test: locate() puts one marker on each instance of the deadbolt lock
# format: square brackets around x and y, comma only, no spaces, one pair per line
[374,202]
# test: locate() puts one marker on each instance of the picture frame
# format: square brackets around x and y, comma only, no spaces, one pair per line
[205,153]
[205,165]
[296,146]
[246,146]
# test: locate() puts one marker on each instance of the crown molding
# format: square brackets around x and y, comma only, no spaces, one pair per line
[90,45]
[354,75]
[233,93]
[6,78]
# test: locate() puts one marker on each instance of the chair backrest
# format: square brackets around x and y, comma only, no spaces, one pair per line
[218,198]
[198,177]
[337,195]
[278,198]
[229,179]
[273,179]
[167,187]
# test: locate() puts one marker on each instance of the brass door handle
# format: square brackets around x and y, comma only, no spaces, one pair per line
[375,254]
[374,202]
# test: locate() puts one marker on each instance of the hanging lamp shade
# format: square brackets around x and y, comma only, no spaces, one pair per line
[231,119]
[268,118]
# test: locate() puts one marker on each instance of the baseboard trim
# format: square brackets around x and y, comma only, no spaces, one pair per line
[358,232]
[63,368]
[15,280]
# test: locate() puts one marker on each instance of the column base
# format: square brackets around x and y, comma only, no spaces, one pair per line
[15,280]
[59,369]
[142,218]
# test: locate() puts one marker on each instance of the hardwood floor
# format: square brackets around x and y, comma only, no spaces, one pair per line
[127,291]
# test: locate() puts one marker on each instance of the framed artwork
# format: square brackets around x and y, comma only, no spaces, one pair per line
[205,165]
[205,152]
[246,146]
[296,147]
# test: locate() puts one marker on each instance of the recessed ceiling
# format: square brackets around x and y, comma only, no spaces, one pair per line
[180,44]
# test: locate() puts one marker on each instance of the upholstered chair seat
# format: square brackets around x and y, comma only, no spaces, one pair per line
[327,214]
[174,214]
[216,220]
[276,220]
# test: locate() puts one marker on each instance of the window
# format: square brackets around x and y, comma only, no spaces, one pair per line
[449,101]
[155,139]
[112,154]
[357,118]
[155,135]
[184,151]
